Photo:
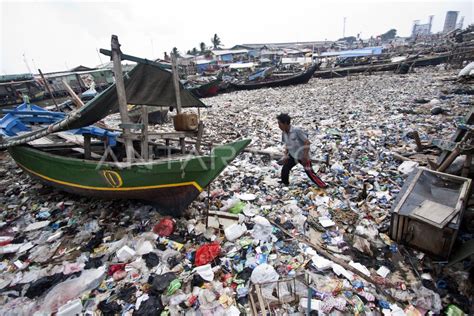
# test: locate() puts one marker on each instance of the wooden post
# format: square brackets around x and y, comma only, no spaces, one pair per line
[145,154]
[87,146]
[454,154]
[182,144]
[467,166]
[174,68]
[416,137]
[199,136]
[46,84]
[122,97]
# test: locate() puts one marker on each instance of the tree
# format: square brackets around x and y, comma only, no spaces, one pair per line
[389,35]
[175,52]
[202,46]
[216,41]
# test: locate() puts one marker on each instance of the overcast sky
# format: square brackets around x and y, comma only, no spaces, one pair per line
[57,35]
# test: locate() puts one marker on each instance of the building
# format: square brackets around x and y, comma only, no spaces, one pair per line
[450,21]
[421,29]
[460,24]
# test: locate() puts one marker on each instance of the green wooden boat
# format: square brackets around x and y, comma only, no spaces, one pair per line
[169,184]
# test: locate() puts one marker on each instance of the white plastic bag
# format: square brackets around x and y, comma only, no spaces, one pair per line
[262,230]
[71,289]
[264,273]
[234,231]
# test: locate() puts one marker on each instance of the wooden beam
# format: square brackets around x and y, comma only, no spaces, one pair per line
[46,84]
[199,136]
[176,83]
[77,101]
[87,146]
[121,95]
[467,166]
[182,145]
[136,59]
[145,154]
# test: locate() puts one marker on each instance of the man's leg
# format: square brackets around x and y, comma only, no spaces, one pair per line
[308,168]
[285,170]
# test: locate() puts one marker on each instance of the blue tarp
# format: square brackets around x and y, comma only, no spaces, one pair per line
[227,57]
[22,117]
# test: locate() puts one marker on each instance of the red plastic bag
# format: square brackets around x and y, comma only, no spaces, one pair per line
[206,253]
[116,267]
[165,227]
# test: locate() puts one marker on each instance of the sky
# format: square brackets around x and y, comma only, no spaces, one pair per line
[60,35]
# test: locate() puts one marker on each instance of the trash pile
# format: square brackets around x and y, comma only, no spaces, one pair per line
[249,245]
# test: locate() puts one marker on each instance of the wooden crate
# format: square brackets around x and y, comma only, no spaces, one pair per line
[428,211]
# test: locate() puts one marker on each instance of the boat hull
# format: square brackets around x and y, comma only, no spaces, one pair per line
[169,185]
[293,80]
[206,90]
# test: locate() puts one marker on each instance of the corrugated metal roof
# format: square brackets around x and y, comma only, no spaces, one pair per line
[241,65]
[229,51]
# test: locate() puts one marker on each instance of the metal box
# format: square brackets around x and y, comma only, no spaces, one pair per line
[428,211]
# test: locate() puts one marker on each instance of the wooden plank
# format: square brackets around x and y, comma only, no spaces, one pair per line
[469,119]
[136,59]
[145,154]
[77,101]
[199,137]
[87,147]
[78,140]
[176,83]
[182,145]
[121,95]
[467,166]
[46,84]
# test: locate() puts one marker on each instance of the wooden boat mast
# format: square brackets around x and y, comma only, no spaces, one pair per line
[122,97]
[174,69]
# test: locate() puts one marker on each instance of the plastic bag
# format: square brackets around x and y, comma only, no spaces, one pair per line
[205,272]
[71,289]
[161,282]
[207,253]
[234,231]
[237,208]
[264,273]
[165,227]
[262,229]
[427,299]
[229,204]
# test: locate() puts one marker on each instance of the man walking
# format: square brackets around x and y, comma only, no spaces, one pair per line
[297,150]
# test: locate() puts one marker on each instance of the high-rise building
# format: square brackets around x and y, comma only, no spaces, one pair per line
[460,23]
[450,21]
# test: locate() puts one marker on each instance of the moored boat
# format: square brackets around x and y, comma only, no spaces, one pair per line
[168,184]
[272,82]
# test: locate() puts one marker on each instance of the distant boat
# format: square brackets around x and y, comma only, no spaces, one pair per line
[400,66]
[273,82]
[206,90]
